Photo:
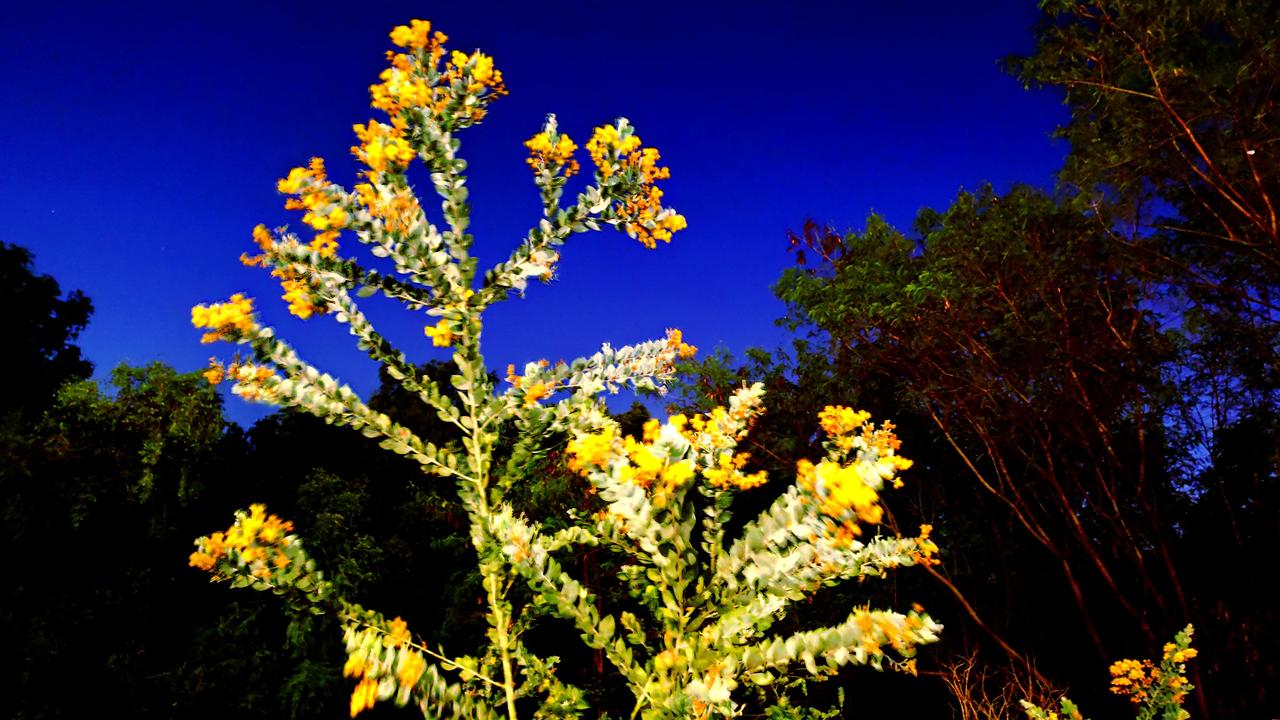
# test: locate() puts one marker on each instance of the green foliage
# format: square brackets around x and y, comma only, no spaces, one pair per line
[97,477]
[1174,98]
[1028,340]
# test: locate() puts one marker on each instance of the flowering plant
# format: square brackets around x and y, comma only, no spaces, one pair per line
[1156,691]
[709,600]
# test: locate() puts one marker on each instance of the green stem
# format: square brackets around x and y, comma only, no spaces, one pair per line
[492,579]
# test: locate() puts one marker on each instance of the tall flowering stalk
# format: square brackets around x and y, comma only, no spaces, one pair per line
[709,600]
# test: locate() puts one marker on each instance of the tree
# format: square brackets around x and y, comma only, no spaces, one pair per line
[1175,99]
[102,477]
[1175,114]
[40,329]
[1024,336]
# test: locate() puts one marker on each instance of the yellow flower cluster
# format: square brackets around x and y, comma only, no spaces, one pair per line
[675,341]
[1178,655]
[650,464]
[477,73]
[417,36]
[402,86]
[880,629]
[607,145]
[645,464]
[397,207]
[257,541]
[851,431]
[299,294]
[837,420]
[842,493]
[324,211]
[926,549]
[716,433]
[461,91]
[537,391]
[225,321]
[262,237]
[446,330]
[301,298]
[1133,678]
[299,177]
[251,381]
[382,658]
[620,152]
[216,373]
[382,147]
[1143,682]
[648,467]
[364,696]
[251,378]
[728,473]
[518,381]
[849,493]
[325,245]
[591,450]
[552,155]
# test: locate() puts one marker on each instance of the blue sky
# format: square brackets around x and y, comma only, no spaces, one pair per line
[140,143]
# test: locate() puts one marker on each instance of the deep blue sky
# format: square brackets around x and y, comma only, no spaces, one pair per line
[140,143]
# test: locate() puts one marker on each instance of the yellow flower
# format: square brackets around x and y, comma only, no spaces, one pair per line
[262,236]
[619,152]
[840,420]
[355,665]
[925,548]
[397,633]
[483,75]
[728,473]
[335,219]
[512,377]
[325,244]
[652,427]
[675,341]
[301,299]
[411,668]
[382,147]
[216,373]
[201,561]
[607,143]
[364,696]
[552,156]
[291,184]
[403,86]
[591,450]
[677,473]
[440,333]
[415,35]
[536,392]
[225,321]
